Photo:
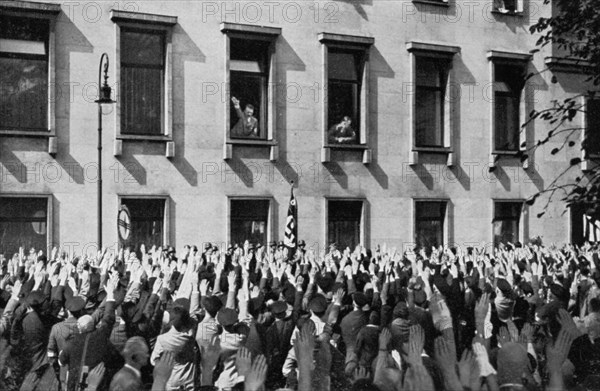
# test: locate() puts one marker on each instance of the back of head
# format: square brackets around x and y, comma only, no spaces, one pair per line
[85,324]
[135,347]
[512,363]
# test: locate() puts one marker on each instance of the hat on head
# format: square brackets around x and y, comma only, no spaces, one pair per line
[280,243]
[75,304]
[35,298]
[560,292]
[503,285]
[301,243]
[512,362]
[207,246]
[272,244]
[250,246]
[278,307]
[227,317]
[400,310]
[318,304]
[360,299]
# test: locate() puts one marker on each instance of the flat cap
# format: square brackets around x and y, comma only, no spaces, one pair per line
[75,304]
[227,317]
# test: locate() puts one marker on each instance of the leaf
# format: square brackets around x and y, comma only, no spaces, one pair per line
[524,157]
[571,143]
[554,151]
[553,80]
[575,161]
[539,215]
[531,201]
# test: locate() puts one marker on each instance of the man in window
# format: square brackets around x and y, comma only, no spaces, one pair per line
[247,126]
[342,133]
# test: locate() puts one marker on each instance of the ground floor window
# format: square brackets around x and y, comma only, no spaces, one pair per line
[23,223]
[249,220]
[506,222]
[344,220]
[429,223]
[585,224]
[147,222]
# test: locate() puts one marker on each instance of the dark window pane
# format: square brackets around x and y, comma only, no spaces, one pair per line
[140,48]
[342,102]
[249,221]
[506,222]
[147,222]
[343,225]
[249,55]
[429,223]
[23,222]
[506,135]
[592,141]
[430,117]
[142,79]
[342,66]
[249,89]
[23,93]
[23,73]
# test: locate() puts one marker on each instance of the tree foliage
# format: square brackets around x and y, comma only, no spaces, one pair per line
[572,29]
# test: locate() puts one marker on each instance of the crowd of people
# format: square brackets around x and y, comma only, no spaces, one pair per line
[516,317]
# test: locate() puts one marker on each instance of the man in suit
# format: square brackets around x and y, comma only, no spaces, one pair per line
[136,354]
[247,125]
[277,339]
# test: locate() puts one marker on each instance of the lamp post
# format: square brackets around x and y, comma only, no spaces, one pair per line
[104,92]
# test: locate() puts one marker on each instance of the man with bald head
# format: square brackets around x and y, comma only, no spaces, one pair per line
[136,354]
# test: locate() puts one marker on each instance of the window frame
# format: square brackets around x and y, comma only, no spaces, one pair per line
[34,10]
[135,21]
[257,33]
[361,46]
[522,226]
[519,8]
[445,221]
[440,53]
[49,214]
[270,217]
[364,218]
[166,218]
[521,60]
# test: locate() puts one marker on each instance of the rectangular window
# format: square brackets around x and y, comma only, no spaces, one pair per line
[344,223]
[431,78]
[249,75]
[24,67]
[429,223]
[343,96]
[508,85]
[592,131]
[23,223]
[147,222]
[506,222]
[508,6]
[249,220]
[142,81]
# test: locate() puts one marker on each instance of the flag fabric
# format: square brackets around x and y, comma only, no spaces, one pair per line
[291,224]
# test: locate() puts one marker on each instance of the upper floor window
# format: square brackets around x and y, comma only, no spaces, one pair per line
[344,69]
[591,142]
[508,85]
[432,76]
[249,76]
[142,81]
[25,53]
[144,74]
[346,81]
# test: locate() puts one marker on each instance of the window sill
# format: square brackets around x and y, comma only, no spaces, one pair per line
[42,133]
[507,13]
[251,142]
[506,153]
[432,2]
[433,149]
[143,137]
[359,147]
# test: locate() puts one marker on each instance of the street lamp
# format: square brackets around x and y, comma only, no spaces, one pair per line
[104,92]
